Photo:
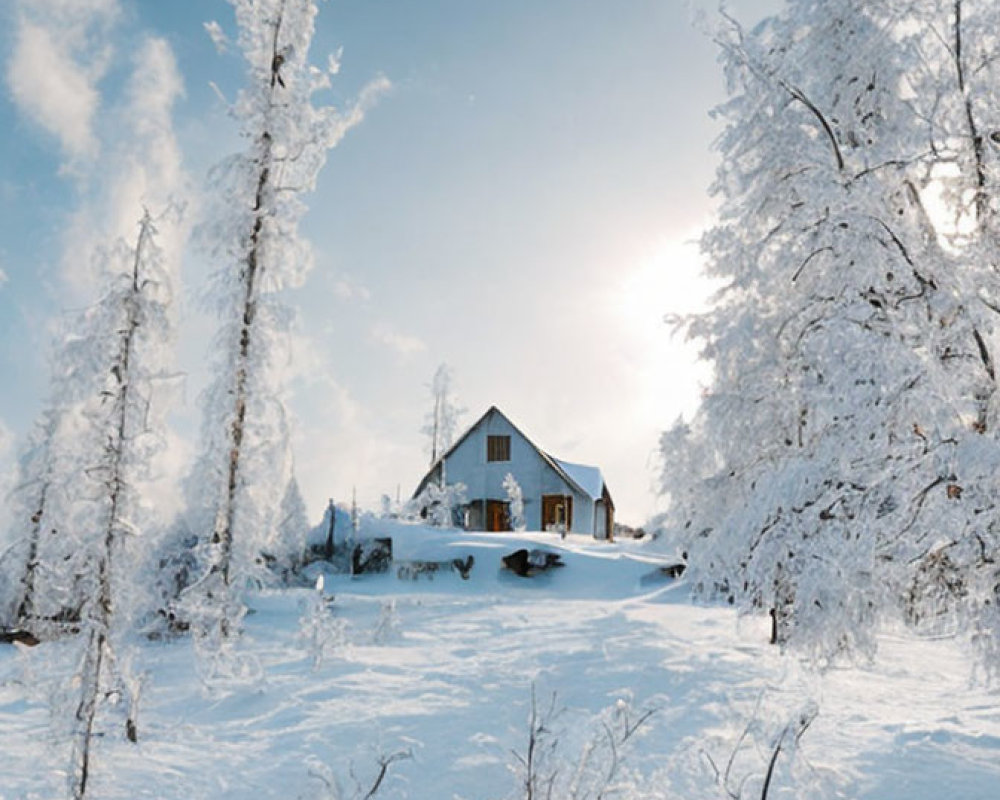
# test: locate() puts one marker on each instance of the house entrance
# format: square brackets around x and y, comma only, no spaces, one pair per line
[497,517]
[557,512]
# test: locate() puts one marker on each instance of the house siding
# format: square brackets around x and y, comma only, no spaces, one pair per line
[484,479]
[467,463]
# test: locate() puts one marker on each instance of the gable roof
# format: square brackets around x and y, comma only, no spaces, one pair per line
[585,479]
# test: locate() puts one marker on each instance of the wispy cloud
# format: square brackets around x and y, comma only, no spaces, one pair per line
[400,342]
[3,277]
[151,171]
[346,288]
[142,165]
[345,445]
[60,53]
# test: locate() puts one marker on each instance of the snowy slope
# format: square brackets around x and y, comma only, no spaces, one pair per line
[443,670]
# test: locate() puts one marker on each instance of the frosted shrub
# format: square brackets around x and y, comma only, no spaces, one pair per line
[438,505]
[548,765]
[516,500]
[320,630]
[387,625]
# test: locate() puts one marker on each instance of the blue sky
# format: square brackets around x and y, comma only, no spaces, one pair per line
[517,205]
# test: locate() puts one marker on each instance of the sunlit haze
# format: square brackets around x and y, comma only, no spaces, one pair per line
[522,203]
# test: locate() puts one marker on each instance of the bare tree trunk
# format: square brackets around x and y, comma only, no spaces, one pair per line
[331,530]
[437,427]
[975,137]
[26,608]
[86,712]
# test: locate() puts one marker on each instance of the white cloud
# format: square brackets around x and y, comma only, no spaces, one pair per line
[142,167]
[400,342]
[346,446]
[3,277]
[349,289]
[151,172]
[340,443]
[46,84]
[60,54]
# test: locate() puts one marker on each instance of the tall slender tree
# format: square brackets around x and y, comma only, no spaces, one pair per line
[253,236]
[125,347]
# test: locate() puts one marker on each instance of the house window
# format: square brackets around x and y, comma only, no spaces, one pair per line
[498,448]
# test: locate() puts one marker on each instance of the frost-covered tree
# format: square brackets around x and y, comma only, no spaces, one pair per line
[130,347]
[950,81]
[515,500]
[286,552]
[236,490]
[442,420]
[953,73]
[846,342]
[46,565]
[39,507]
[94,442]
[438,504]
[82,517]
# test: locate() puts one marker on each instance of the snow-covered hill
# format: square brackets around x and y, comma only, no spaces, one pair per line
[443,671]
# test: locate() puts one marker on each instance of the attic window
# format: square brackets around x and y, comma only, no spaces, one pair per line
[498,448]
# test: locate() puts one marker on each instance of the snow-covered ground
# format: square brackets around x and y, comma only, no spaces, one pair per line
[444,670]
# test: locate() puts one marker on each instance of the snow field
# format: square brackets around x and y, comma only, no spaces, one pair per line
[443,671]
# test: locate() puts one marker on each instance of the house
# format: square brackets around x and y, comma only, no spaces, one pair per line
[557,495]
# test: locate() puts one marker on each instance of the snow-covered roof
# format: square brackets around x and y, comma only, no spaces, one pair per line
[587,478]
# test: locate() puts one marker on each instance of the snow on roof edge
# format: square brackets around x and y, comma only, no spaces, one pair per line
[585,476]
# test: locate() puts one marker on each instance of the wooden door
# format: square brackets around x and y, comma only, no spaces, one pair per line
[496,516]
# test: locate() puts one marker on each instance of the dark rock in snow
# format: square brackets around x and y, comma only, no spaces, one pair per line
[371,556]
[463,568]
[674,570]
[665,573]
[10,636]
[527,563]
